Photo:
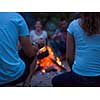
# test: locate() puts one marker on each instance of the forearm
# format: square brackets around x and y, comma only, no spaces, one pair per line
[70,49]
[27,46]
[70,62]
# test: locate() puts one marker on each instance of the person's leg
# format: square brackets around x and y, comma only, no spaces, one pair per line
[63,46]
[91,81]
[72,79]
[62,49]
[65,80]
[55,46]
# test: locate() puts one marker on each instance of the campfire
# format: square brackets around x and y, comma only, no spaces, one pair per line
[47,65]
[47,60]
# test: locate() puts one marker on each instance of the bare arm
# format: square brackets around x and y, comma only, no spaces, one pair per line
[27,46]
[70,49]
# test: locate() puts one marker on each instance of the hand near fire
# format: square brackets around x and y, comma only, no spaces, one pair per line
[68,69]
[57,36]
[41,42]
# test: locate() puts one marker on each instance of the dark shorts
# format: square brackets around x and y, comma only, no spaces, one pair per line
[71,79]
[22,78]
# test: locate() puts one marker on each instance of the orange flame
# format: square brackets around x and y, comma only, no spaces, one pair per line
[46,61]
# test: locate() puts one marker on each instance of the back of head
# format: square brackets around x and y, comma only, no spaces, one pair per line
[91,22]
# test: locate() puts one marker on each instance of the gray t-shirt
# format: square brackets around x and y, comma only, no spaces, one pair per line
[35,37]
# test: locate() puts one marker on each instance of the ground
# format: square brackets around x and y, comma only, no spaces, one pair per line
[44,79]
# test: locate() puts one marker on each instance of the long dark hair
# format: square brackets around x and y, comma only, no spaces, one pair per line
[91,22]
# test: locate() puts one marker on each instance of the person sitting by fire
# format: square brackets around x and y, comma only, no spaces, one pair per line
[38,35]
[58,41]
[45,55]
[83,52]
[13,69]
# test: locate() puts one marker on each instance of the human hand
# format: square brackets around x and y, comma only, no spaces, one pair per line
[58,36]
[68,69]
[41,42]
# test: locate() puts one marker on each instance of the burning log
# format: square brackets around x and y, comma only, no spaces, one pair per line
[42,55]
[47,59]
[51,69]
[46,62]
[54,61]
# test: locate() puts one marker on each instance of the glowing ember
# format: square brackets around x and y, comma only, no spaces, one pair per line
[43,70]
[58,61]
[47,62]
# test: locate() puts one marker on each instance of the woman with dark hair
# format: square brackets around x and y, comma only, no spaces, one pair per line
[83,52]
[38,35]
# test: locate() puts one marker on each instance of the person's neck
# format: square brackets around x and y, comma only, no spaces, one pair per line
[63,30]
[38,31]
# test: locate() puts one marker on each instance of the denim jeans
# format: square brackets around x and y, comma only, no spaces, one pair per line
[71,79]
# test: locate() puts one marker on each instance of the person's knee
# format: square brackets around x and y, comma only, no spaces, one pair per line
[55,81]
[63,80]
[58,80]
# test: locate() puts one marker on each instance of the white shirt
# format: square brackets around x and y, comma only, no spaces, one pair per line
[35,37]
